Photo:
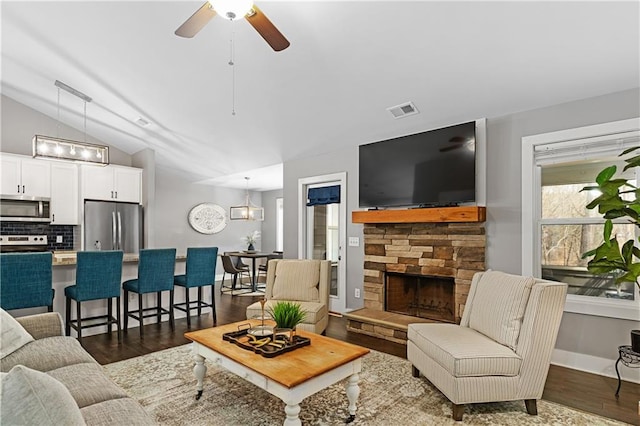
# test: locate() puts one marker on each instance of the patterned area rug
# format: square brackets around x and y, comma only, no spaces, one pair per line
[164,384]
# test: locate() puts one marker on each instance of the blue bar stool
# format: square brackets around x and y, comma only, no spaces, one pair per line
[155,275]
[98,276]
[200,272]
[25,281]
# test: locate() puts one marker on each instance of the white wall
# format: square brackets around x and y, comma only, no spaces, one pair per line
[583,337]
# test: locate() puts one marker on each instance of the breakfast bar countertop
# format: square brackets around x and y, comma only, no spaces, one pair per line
[69,258]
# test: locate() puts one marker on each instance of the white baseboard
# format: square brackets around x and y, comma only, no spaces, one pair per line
[594,364]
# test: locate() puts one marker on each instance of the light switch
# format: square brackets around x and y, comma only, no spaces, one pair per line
[58,238]
[354,242]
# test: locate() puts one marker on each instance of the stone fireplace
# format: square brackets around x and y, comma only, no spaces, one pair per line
[409,255]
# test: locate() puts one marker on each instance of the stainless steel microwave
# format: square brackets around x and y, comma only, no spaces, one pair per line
[19,208]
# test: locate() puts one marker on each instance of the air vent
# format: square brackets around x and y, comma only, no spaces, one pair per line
[403,110]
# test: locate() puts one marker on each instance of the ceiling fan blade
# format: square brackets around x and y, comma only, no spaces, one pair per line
[450,147]
[267,30]
[196,22]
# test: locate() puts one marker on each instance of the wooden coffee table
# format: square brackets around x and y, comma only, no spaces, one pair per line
[292,376]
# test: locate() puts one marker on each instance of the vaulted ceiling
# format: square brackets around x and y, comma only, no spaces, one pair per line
[347,63]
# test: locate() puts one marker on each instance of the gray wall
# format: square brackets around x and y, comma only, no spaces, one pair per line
[589,335]
[335,162]
[584,334]
[175,197]
[21,123]
[270,216]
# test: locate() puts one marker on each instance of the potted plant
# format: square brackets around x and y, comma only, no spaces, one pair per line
[251,239]
[618,199]
[287,315]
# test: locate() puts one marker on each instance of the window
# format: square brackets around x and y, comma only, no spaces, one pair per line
[568,229]
[557,227]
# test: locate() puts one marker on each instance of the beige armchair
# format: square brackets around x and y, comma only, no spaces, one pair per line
[303,281]
[502,347]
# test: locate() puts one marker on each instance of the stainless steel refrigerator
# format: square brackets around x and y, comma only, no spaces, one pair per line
[112,226]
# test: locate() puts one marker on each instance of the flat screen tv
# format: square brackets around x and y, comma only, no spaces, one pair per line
[428,169]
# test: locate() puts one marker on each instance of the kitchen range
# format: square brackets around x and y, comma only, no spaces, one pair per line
[23,243]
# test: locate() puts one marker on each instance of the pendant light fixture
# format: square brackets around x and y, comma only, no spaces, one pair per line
[248,211]
[70,150]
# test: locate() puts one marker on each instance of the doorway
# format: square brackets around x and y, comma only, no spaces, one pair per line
[322,230]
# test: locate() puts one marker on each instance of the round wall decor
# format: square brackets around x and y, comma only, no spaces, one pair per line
[208,218]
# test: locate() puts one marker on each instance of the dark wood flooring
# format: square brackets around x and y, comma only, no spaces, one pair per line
[583,391]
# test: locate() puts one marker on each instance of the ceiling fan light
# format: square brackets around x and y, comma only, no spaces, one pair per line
[232,9]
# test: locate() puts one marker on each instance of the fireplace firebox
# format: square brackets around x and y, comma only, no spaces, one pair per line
[420,296]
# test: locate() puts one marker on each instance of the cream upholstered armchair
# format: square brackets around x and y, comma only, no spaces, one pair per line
[502,347]
[302,281]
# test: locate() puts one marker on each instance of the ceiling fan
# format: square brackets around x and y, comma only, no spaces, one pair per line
[457,142]
[233,10]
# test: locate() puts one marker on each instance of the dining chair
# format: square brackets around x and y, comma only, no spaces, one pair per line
[156,269]
[98,276]
[200,271]
[229,267]
[26,280]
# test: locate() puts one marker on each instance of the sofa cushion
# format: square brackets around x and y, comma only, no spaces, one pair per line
[296,280]
[498,306]
[30,397]
[13,336]
[314,311]
[116,412]
[47,354]
[87,383]
[464,352]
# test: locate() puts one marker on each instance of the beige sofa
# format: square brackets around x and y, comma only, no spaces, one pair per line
[303,281]
[74,389]
[502,347]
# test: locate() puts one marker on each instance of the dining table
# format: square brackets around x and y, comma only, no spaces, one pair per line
[253,255]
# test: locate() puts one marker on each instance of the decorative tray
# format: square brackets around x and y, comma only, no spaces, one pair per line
[268,347]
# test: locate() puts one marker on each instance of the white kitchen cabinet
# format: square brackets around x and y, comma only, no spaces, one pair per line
[64,194]
[111,183]
[22,175]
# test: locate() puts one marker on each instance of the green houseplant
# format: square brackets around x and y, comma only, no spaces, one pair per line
[618,199]
[287,314]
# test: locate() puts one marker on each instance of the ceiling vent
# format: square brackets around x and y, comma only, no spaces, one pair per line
[403,110]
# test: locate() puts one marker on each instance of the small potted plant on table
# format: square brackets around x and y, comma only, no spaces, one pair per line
[287,316]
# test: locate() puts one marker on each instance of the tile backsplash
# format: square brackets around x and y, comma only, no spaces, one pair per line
[51,231]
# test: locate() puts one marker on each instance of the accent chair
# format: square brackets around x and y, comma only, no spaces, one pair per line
[502,348]
[303,281]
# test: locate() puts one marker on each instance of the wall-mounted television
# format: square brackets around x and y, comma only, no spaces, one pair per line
[428,169]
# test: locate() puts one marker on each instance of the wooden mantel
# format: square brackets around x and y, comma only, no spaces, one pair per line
[425,215]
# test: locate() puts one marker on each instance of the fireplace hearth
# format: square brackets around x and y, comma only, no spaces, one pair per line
[420,296]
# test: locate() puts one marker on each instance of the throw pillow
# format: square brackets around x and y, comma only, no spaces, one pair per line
[30,397]
[297,280]
[13,336]
[499,304]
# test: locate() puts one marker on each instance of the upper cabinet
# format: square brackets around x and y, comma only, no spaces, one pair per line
[64,194]
[111,183]
[23,175]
